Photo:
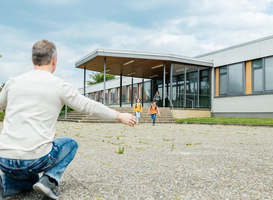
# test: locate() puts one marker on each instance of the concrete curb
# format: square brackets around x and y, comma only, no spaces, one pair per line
[224,124]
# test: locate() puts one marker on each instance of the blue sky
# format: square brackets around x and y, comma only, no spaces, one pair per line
[78,27]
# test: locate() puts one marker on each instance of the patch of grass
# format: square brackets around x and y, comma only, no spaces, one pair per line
[120,150]
[228,120]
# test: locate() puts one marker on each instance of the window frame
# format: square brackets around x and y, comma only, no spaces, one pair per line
[263,76]
[227,83]
[263,91]
[223,73]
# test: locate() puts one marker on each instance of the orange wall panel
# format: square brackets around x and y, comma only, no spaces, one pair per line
[248,78]
[217,82]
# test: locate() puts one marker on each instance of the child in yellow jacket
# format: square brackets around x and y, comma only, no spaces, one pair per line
[138,110]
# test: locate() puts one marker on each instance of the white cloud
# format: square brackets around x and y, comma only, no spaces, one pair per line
[203,26]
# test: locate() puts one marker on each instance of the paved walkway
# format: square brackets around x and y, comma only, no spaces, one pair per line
[168,161]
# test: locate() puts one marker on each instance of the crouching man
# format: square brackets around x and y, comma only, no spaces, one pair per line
[27,146]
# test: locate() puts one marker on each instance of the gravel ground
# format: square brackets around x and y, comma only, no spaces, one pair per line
[167,161]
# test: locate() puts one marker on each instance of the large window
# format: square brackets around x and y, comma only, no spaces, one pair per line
[257,66]
[235,78]
[262,75]
[231,79]
[268,64]
[223,80]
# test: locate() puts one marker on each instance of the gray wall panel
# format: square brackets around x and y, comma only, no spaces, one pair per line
[267,48]
[252,103]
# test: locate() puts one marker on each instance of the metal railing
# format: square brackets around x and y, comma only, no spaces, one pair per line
[191,102]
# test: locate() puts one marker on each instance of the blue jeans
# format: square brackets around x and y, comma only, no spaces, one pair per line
[21,175]
[137,117]
[153,116]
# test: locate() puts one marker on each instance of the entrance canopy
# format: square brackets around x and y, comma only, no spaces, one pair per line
[133,63]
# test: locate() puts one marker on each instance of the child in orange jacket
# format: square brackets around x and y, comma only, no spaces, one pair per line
[153,110]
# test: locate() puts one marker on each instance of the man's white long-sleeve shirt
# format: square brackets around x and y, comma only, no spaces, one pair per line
[33,102]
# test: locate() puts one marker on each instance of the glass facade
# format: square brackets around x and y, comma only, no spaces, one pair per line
[114,96]
[188,90]
[147,91]
[106,97]
[204,88]
[190,86]
[99,96]
[133,94]
[124,94]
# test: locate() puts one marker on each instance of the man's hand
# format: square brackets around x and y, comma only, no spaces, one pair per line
[126,118]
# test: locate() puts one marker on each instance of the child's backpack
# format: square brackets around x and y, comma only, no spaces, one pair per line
[155,107]
[136,105]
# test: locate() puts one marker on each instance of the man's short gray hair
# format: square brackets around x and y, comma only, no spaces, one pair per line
[43,52]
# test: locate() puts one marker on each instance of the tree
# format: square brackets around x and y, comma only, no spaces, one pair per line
[1,87]
[98,78]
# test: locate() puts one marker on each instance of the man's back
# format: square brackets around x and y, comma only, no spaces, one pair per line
[34,103]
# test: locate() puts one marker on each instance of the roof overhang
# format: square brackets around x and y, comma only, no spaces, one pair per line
[137,64]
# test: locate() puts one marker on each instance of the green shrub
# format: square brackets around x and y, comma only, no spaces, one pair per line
[2,115]
[63,110]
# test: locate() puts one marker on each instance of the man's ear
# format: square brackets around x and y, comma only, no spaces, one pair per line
[54,63]
[32,61]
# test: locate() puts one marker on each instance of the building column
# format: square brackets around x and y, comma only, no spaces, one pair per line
[142,92]
[185,86]
[104,79]
[84,77]
[163,86]
[198,85]
[120,91]
[171,84]
[132,92]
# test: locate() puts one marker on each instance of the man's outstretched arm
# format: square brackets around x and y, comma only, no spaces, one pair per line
[3,99]
[126,118]
[78,102]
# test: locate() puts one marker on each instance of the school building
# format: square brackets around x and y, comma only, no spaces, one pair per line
[233,82]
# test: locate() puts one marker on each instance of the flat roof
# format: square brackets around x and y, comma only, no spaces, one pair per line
[235,46]
[134,63]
